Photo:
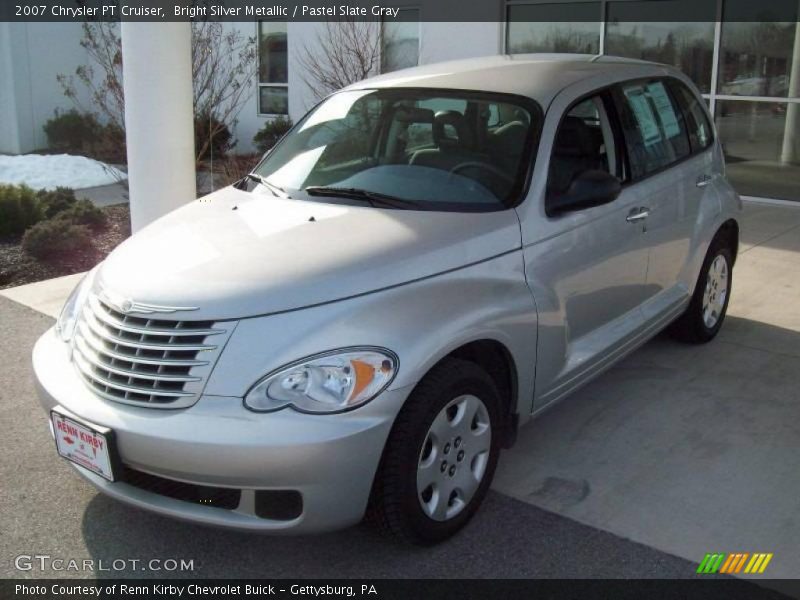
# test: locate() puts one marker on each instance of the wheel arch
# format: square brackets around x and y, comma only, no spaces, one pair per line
[729,230]
[497,360]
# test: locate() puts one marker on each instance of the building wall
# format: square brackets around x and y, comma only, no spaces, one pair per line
[452,41]
[9,125]
[301,98]
[35,54]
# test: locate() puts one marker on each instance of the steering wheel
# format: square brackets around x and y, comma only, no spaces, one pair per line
[486,167]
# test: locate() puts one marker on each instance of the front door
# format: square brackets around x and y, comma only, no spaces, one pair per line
[586,268]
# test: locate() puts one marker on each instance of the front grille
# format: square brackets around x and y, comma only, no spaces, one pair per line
[188,492]
[138,360]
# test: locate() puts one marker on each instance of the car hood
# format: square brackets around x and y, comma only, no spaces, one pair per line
[235,254]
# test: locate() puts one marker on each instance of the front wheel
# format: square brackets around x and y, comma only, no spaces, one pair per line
[441,455]
[703,318]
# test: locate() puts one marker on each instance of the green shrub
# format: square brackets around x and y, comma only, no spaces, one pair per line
[72,131]
[110,147]
[83,212]
[55,201]
[56,238]
[270,133]
[221,143]
[82,133]
[19,209]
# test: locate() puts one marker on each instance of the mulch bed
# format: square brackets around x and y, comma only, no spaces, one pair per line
[18,268]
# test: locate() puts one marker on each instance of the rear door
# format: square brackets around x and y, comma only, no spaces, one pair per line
[699,175]
[663,175]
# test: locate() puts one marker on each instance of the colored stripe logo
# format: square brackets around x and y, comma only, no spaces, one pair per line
[736,562]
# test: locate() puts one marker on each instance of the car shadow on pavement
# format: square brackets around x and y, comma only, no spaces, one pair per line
[507,539]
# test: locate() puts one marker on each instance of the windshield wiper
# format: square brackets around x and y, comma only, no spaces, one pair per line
[374,198]
[271,186]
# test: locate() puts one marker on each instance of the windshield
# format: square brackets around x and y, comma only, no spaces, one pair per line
[425,149]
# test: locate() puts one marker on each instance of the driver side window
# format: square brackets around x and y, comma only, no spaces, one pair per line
[584,142]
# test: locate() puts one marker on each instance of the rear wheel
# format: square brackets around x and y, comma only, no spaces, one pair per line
[441,455]
[703,318]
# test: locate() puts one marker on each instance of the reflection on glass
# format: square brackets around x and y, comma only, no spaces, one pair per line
[564,27]
[689,46]
[756,57]
[373,140]
[761,141]
[400,38]
[273,100]
[273,64]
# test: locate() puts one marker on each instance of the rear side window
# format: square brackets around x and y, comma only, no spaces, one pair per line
[655,131]
[697,124]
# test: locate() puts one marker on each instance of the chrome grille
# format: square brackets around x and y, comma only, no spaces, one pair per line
[139,360]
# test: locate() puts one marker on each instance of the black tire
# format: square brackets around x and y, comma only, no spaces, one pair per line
[691,327]
[394,505]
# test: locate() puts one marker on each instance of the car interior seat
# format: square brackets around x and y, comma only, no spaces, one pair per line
[574,150]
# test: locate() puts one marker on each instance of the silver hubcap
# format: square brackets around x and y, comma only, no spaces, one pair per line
[716,291]
[454,457]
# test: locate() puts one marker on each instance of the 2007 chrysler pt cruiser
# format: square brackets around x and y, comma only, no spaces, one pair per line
[426,260]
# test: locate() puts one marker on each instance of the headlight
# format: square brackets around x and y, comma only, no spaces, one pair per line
[331,382]
[65,326]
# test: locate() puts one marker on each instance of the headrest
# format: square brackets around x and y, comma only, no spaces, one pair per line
[573,138]
[442,134]
[509,139]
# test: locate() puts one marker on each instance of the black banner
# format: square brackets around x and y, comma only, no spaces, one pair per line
[440,589]
[395,10]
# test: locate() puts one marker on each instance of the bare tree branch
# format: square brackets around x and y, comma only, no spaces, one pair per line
[223,75]
[345,52]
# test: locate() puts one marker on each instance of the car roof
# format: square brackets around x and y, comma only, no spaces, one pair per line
[537,76]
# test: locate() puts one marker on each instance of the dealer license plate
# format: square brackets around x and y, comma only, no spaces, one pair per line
[84,444]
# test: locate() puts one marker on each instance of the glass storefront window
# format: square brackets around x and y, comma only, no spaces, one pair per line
[688,46]
[273,65]
[273,100]
[273,68]
[761,141]
[756,57]
[556,27]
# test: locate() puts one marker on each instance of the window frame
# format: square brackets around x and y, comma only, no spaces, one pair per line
[259,83]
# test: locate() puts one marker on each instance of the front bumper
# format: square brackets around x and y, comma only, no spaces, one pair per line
[329,459]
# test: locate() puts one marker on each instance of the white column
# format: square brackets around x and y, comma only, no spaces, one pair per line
[789,150]
[159,119]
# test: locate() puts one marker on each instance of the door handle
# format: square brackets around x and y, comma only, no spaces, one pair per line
[703,180]
[637,214]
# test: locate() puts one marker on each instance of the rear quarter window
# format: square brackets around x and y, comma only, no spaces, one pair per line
[700,132]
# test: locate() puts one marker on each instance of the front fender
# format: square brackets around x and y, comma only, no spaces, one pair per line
[421,322]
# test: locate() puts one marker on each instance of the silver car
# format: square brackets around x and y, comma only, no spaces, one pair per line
[427,260]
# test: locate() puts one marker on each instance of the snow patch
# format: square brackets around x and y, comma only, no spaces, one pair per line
[49,171]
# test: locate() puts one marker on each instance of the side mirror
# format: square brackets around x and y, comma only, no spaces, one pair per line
[587,189]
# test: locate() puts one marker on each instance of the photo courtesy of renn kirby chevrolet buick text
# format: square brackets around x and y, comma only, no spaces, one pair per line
[424,262]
